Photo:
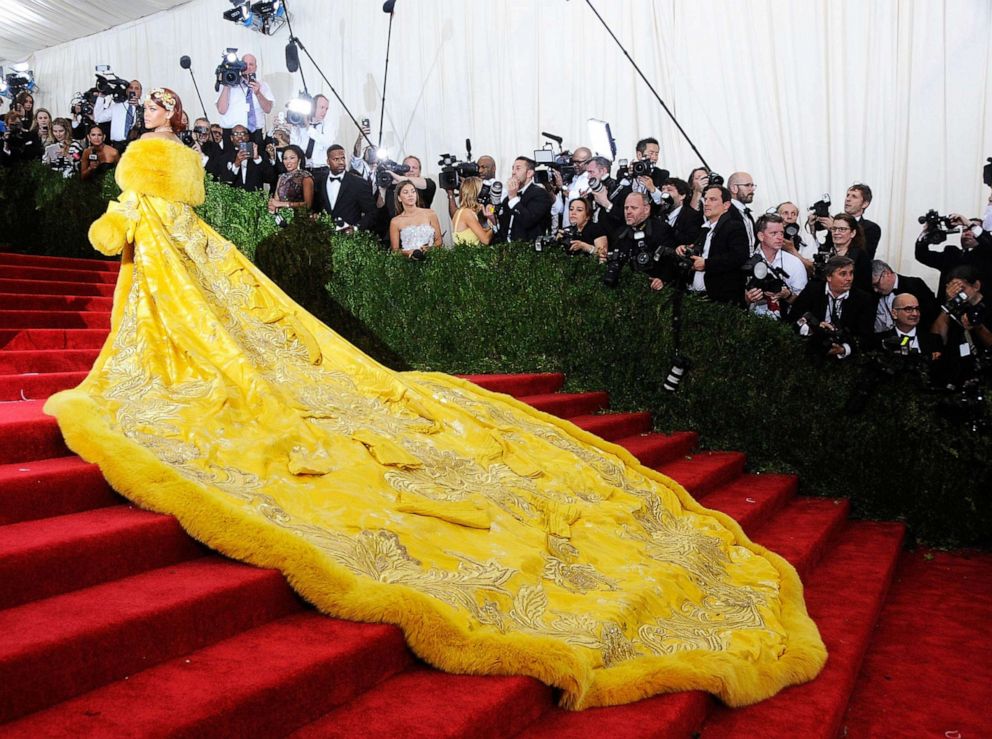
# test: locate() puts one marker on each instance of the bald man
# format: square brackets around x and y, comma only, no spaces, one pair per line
[245,104]
[577,188]
[905,336]
[741,186]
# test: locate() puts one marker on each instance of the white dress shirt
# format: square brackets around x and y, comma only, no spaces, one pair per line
[237,107]
[699,278]
[883,314]
[796,280]
[105,109]
[333,188]
[748,223]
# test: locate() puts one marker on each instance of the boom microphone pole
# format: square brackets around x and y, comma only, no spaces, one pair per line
[387,7]
[186,63]
[650,87]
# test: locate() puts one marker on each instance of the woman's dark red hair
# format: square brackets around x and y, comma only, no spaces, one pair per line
[176,119]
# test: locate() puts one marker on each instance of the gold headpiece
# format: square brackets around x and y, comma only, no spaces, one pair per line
[163,97]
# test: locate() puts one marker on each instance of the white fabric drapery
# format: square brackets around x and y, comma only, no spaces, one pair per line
[808,96]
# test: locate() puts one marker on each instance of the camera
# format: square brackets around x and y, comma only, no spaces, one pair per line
[642,256]
[938,227]
[595,185]
[958,307]
[491,194]
[454,171]
[560,240]
[641,168]
[109,84]
[822,338]
[666,204]
[715,180]
[791,231]
[821,209]
[382,178]
[548,160]
[762,275]
[186,137]
[82,103]
[230,70]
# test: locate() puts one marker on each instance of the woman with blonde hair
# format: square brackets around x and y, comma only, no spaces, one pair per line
[466,224]
[63,154]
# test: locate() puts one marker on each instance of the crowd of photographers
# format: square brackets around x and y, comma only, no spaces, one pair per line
[695,235]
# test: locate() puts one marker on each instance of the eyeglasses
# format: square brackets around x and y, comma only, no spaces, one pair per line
[746,184]
[839,229]
[910,309]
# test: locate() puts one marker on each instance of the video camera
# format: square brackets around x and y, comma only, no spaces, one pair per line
[938,227]
[109,84]
[384,167]
[547,160]
[454,171]
[230,71]
[82,103]
[821,209]
[763,276]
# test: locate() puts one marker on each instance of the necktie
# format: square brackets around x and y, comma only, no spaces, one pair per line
[836,308]
[252,120]
[128,121]
[747,211]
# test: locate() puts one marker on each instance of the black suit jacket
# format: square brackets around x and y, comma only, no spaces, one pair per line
[688,224]
[257,174]
[873,234]
[729,249]
[857,316]
[929,343]
[354,204]
[530,217]
[918,289]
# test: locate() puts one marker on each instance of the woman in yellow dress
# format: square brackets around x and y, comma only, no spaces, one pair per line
[500,539]
[466,226]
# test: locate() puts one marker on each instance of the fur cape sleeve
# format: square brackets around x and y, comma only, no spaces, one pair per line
[162,168]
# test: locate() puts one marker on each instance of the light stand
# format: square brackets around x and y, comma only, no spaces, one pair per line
[387,7]
[185,63]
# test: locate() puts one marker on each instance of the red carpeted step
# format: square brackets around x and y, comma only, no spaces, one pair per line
[59,647]
[422,702]
[28,272]
[13,259]
[706,471]
[568,405]
[612,426]
[802,529]
[51,487]
[655,450]
[16,301]
[54,319]
[14,362]
[38,386]
[55,287]
[844,596]
[519,385]
[42,558]
[929,664]
[263,682]
[52,338]
[752,499]
[28,433]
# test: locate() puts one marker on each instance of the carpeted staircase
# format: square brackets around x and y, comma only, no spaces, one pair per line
[115,623]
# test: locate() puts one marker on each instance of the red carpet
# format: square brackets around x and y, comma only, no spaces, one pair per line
[115,623]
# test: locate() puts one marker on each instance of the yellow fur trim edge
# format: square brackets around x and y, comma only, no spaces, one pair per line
[163,168]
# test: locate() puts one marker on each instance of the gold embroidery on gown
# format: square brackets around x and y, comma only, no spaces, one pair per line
[501,540]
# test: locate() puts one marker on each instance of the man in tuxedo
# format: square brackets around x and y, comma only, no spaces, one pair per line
[609,200]
[721,249]
[905,330]
[345,195]
[742,187]
[243,167]
[887,285]
[686,222]
[836,304]
[526,214]
[856,201]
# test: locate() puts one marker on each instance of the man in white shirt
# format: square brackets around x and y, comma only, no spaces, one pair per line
[577,188]
[317,137]
[123,116]
[742,187]
[770,230]
[245,104]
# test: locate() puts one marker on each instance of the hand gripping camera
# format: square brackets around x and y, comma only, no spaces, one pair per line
[938,227]
[230,70]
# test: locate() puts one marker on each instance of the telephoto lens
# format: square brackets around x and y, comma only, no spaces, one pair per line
[679,367]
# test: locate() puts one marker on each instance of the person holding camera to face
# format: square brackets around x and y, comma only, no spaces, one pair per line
[648,150]
[123,117]
[315,136]
[425,186]
[20,144]
[685,221]
[526,214]
[776,277]
[975,250]
[965,325]
[245,104]
[98,156]
[720,251]
[244,168]
[837,316]
[698,180]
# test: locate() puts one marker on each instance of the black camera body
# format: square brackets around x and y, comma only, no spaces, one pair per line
[821,337]
[110,85]
[938,227]
[958,307]
[454,171]
[643,255]
[491,194]
[641,168]
[821,209]
[230,71]
[791,231]
[385,166]
[762,275]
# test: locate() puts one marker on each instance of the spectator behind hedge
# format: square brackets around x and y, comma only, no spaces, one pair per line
[42,127]
[466,223]
[294,189]
[98,156]
[849,241]
[63,155]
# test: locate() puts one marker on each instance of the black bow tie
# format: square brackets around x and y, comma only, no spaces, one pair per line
[335,179]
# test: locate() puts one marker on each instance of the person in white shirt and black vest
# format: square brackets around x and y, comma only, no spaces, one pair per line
[834,312]
[526,213]
[124,118]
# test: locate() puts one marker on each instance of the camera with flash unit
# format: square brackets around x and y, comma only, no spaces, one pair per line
[109,84]
[230,70]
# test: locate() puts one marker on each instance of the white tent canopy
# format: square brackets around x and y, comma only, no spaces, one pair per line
[808,96]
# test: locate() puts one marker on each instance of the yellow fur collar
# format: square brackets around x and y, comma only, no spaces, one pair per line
[162,168]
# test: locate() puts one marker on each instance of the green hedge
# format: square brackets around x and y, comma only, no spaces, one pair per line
[506,309]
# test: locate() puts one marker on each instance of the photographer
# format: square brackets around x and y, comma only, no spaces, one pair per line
[648,150]
[795,244]
[856,202]
[123,117]
[686,222]
[204,145]
[905,331]
[834,313]
[526,214]
[699,179]
[245,104]
[600,186]
[64,155]
[19,143]
[315,136]
[640,244]
[243,167]
[42,127]
[425,186]
[24,104]
[583,235]
[81,118]
[471,223]
[577,187]
[784,272]
[98,156]
[487,175]
[975,250]
[724,249]
[887,285]
[964,325]
[345,195]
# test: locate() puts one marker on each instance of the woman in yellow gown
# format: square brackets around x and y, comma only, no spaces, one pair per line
[500,539]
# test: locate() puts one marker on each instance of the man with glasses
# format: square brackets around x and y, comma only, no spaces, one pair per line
[742,187]
[888,285]
[905,330]
[244,168]
[245,104]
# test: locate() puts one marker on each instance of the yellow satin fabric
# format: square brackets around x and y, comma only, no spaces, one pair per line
[500,539]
